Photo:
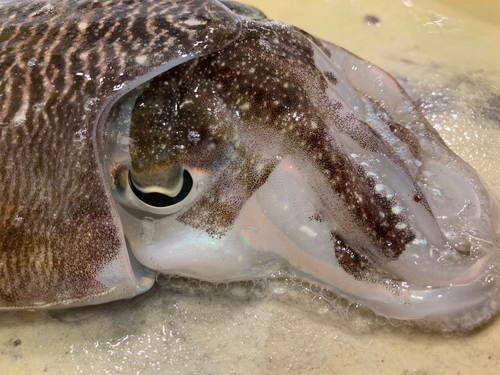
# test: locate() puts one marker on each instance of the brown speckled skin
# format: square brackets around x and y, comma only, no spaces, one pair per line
[62,63]
[262,92]
[58,64]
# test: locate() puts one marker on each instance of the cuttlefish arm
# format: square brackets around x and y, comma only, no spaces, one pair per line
[461,205]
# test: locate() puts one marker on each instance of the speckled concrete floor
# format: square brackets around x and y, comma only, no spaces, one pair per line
[449,58]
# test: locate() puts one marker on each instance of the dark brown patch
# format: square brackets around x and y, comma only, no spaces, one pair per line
[316,217]
[354,264]
[398,130]
[331,78]
[315,40]
[216,211]
[89,5]
[406,136]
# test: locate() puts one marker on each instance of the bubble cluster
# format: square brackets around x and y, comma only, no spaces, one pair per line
[282,285]
[288,287]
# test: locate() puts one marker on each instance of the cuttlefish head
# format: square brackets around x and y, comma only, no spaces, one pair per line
[283,151]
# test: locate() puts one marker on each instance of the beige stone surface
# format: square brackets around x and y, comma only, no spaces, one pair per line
[448,52]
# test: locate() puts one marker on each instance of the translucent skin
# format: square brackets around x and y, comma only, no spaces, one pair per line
[314,160]
[277,150]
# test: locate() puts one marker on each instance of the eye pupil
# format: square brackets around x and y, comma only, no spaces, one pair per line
[163,200]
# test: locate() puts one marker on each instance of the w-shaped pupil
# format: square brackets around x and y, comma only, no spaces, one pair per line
[163,200]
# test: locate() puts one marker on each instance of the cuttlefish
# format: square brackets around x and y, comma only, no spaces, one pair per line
[199,138]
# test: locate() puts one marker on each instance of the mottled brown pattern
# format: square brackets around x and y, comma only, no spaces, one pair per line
[264,83]
[331,78]
[354,264]
[399,131]
[315,40]
[406,136]
[59,61]
[357,265]
[220,206]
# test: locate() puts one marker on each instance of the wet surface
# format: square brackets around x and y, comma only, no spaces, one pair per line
[448,59]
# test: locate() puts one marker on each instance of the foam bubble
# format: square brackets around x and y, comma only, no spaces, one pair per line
[341,303]
[207,287]
[360,316]
[240,288]
[321,305]
[260,289]
[278,283]
[323,301]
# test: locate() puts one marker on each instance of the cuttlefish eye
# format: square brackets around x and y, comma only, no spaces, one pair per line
[152,195]
[164,199]
[280,151]
[155,199]
[150,189]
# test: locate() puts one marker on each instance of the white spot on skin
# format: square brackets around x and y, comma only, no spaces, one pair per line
[82,26]
[436,192]
[20,120]
[418,241]
[308,231]
[141,60]
[379,187]
[118,87]
[194,22]
[245,106]
[401,226]
[397,210]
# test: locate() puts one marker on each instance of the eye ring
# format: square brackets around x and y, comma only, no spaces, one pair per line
[163,200]
[129,196]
